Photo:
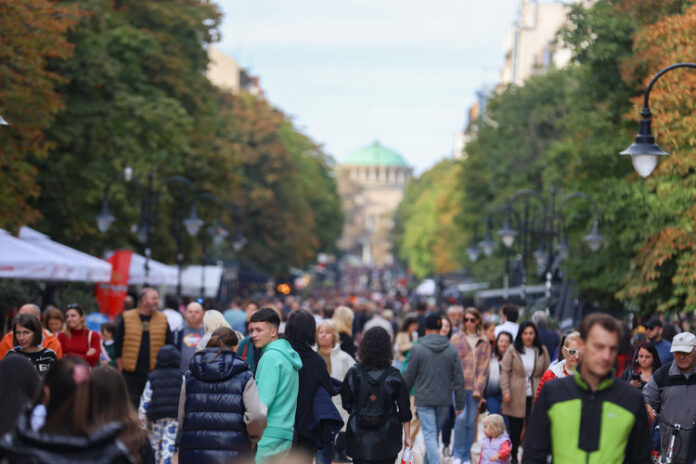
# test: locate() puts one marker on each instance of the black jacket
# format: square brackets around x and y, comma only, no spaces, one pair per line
[383,442]
[213,427]
[28,447]
[312,374]
[165,382]
[347,344]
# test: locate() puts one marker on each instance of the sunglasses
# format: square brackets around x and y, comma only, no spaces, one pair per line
[469,319]
[73,306]
[571,352]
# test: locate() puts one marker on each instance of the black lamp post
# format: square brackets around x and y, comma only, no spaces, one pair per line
[645,152]
[149,213]
[552,226]
[216,232]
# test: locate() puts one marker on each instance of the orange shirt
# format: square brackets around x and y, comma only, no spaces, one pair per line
[49,341]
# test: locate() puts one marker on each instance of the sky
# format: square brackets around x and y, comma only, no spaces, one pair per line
[349,72]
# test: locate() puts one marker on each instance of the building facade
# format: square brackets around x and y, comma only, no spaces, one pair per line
[371,182]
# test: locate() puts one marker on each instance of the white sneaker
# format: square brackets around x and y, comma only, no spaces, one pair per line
[456,461]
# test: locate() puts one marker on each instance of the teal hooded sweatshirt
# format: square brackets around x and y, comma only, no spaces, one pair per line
[278,381]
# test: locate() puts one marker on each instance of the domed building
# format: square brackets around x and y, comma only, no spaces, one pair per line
[371,182]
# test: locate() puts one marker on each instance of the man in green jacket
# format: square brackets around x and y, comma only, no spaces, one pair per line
[278,382]
[590,417]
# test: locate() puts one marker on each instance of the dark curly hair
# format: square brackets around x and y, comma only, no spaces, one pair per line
[375,350]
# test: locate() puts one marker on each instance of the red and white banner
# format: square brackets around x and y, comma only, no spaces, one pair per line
[110,295]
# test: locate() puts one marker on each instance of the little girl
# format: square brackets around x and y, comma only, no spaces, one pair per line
[496,447]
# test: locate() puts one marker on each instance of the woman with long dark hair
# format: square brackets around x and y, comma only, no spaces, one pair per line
[377,441]
[300,333]
[520,373]
[644,366]
[66,435]
[109,402]
[19,385]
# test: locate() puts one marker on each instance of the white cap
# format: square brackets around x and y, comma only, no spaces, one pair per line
[684,342]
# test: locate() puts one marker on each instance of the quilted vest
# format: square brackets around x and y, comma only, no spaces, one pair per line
[213,427]
[133,333]
[490,446]
[165,382]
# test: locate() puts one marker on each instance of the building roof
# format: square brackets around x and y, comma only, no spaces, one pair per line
[375,155]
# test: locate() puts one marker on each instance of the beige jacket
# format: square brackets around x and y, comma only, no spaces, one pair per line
[514,381]
[404,343]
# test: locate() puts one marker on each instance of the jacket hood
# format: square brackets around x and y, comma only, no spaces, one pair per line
[434,342]
[168,356]
[208,365]
[283,347]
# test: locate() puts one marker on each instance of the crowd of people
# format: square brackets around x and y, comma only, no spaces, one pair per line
[271,381]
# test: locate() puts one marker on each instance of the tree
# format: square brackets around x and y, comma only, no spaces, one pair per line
[32,34]
[663,270]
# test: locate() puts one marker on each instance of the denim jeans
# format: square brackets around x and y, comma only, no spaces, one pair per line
[465,429]
[432,419]
[493,404]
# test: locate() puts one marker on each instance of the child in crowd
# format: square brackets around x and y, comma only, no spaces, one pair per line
[496,447]
[108,350]
[160,403]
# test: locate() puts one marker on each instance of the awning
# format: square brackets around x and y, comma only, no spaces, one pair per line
[193,276]
[22,260]
[83,268]
[160,273]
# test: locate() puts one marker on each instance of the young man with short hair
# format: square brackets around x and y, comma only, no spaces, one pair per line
[590,417]
[278,381]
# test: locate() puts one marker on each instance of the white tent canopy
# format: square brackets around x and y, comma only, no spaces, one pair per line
[22,260]
[84,267]
[193,276]
[160,273]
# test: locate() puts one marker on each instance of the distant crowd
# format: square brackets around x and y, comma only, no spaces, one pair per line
[350,380]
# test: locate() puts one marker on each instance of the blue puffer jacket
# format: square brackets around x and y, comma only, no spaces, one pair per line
[213,428]
[165,382]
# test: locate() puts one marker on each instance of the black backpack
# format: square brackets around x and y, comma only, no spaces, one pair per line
[372,409]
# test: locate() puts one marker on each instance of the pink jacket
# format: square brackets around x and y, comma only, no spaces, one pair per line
[474,363]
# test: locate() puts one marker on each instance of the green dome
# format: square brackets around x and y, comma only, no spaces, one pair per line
[375,155]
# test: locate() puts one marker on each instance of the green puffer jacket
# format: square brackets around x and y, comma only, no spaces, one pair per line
[579,426]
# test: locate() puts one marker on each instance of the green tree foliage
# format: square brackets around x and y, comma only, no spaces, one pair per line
[133,92]
[428,236]
[32,34]
[563,129]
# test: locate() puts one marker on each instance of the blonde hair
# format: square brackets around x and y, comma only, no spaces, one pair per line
[343,318]
[330,326]
[213,319]
[572,336]
[496,422]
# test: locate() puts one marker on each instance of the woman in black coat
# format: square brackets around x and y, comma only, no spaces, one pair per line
[379,442]
[309,438]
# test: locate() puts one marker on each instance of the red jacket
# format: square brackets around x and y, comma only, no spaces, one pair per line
[79,343]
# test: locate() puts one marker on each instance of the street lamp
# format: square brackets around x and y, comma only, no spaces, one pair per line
[507,234]
[553,225]
[3,122]
[645,152]
[149,212]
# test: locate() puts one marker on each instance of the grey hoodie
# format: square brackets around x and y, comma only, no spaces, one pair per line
[434,371]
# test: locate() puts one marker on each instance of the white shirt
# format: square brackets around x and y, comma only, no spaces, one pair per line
[528,363]
[507,326]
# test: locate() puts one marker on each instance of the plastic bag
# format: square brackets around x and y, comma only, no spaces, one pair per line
[407,456]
